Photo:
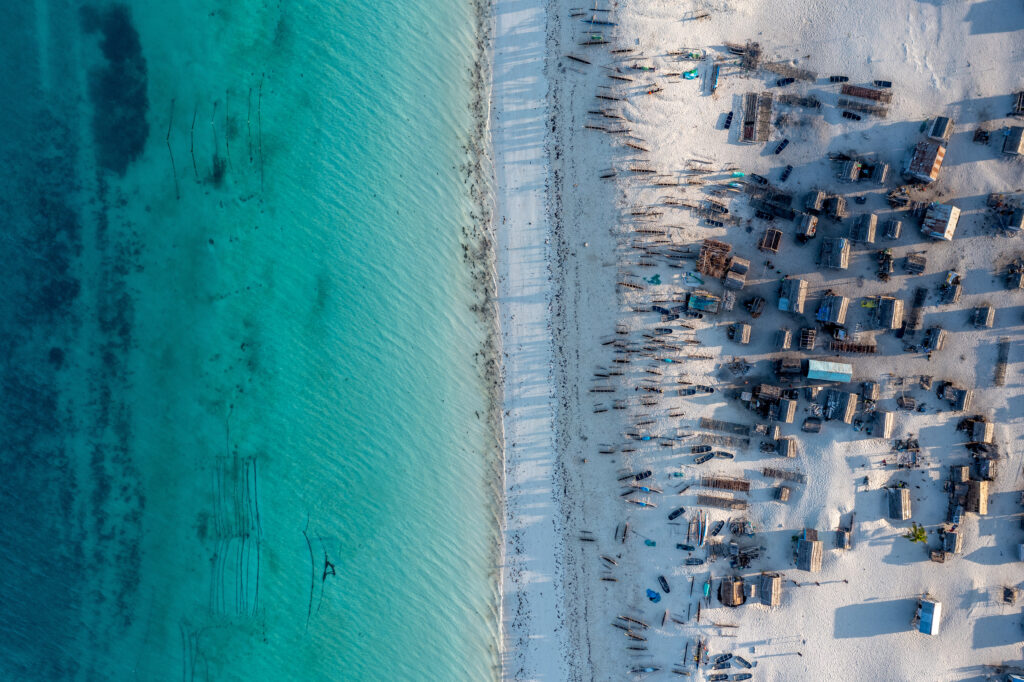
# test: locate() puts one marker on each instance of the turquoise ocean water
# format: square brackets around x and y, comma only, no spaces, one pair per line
[245,432]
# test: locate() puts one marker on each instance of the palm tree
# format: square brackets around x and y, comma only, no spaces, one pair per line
[917,533]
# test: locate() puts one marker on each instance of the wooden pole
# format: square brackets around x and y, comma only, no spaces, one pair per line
[170,152]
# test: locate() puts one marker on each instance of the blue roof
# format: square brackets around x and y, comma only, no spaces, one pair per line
[829,371]
[930,613]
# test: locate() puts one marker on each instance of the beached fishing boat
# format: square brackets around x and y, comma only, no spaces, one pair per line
[693,561]
[699,449]
[722,454]
[700,459]
[718,528]
[685,547]
[702,529]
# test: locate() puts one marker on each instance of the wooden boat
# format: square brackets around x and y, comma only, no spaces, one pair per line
[700,459]
[699,449]
[685,547]
[693,561]
[742,661]
[719,525]
[722,454]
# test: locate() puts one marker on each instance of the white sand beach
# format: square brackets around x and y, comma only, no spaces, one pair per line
[592,389]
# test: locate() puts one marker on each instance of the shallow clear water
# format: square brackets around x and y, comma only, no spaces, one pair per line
[247,436]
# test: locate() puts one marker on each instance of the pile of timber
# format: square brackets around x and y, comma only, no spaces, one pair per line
[783,474]
[721,502]
[726,483]
[727,427]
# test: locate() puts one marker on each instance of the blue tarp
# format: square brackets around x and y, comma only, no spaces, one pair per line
[930,613]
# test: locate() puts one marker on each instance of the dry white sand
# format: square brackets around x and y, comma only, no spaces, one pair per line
[559,302]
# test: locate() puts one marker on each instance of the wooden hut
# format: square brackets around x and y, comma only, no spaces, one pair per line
[870,390]
[814,201]
[893,229]
[984,316]
[809,551]
[784,338]
[883,424]
[736,275]
[835,207]
[864,228]
[741,333]
[806,227]
[977,497]
[771,589]
[835,253]
[925,161]
[792,295]
[940,221]
[889,312]
[730,591]
[981,431]
[782,493]
[941,129]
[832,309]
[899,503]
[1013,145]
[960,473]
[953,542]
[787,410]
[841,405]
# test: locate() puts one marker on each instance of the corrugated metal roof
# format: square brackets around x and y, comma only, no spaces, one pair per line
[829,371]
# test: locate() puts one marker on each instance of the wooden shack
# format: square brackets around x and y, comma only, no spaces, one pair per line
[792,295]
[1013,145]
[806,227]
[953,542]
[809,552]
[832,309]
[925,161]
[835,207]
[782,493]
[899,503]
[984,316]
[977,497]
[893,229]
[941,129]
[736,275]
[771,589]
[864,228]
[835,253]
[814,201]
[940,221]
[787,410]
[730,591]
[959,473]
[883,424]
[981,431]
[841,405]
[889,312]
[870,390]
[784,339]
